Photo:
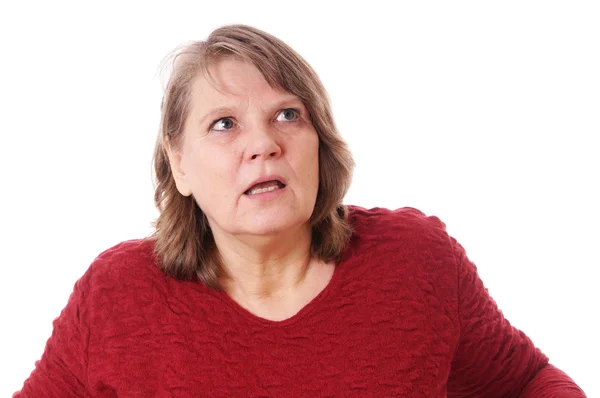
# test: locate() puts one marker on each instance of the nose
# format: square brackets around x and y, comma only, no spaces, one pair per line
[262,144]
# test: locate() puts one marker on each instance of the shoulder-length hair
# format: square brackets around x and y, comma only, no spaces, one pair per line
[183,241]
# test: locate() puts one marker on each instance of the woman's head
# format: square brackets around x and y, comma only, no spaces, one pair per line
[240,107]
[248,154]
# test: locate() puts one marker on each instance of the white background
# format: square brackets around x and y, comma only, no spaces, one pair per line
[485,114]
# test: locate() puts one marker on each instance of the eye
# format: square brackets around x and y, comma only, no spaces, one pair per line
[222,124]
[288,115]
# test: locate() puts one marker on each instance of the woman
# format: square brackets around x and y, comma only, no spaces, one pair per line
[259,282]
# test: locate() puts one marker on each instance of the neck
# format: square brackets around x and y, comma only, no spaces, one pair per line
[262,268]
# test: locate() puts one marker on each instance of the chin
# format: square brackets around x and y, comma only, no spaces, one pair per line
[270,223]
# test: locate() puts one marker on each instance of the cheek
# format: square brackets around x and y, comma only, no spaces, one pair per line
[204,159]
[213,173]
[208,179]
[310,163]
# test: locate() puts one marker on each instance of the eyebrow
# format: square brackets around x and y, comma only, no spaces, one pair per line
[228,110]
[210,116]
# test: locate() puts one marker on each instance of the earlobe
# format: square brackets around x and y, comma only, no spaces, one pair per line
[178,173]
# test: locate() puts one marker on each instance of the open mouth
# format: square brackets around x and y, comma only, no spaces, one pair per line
[266,186]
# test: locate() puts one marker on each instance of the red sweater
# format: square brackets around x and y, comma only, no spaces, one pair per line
[405,314]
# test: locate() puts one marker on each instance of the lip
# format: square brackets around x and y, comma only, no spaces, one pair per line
[265,179]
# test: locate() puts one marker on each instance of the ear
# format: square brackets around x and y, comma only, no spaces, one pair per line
[178,172]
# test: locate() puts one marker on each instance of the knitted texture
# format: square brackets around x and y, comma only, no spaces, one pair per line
[405,314]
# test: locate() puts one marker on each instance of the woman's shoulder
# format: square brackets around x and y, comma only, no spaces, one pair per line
[384,224]
[124,264]
[398,247]
[128,253]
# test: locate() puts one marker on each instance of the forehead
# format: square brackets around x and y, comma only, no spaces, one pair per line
[233,80]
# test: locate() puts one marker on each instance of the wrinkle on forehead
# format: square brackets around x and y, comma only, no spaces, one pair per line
[244,85]
[223,64]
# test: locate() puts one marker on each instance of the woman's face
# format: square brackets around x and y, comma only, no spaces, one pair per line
[240,132]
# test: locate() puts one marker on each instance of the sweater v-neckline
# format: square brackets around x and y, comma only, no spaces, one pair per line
[313,304]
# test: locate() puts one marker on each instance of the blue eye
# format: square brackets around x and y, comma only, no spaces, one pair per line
[222,124]
[288,115]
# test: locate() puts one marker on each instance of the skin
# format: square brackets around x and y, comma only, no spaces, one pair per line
[237,131]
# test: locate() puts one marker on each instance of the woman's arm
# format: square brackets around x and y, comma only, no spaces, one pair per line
[493,358]
[62,370]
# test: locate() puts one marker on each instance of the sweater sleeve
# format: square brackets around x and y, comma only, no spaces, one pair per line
[493,358]
[62,369]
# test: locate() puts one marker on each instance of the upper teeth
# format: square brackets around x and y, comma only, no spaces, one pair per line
[261,190]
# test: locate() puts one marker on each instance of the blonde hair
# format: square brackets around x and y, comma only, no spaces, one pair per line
[184,244]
